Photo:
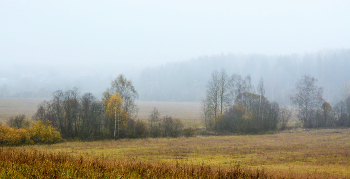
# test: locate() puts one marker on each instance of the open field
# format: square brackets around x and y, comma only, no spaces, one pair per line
[36,164]
[325,153]
[189,112]
[14,106]
[291,154]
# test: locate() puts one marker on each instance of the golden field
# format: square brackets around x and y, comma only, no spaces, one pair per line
[297,153]
[291,154]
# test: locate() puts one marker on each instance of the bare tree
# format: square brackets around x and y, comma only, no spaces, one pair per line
[238,90]
[71,108]
[154,122]
[217,94]
[284,117]
[207,114]
[261,93]
[217,97]
[212,96]
[308,98]
[223,90]
[18,121]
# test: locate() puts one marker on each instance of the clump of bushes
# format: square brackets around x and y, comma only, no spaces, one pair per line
[13,136]
[166,127]
[20,131]
[18,121]
[44,134]
[189,132]
[137,129]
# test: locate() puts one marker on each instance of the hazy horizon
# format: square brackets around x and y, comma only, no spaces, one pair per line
[44,43]
[137,33]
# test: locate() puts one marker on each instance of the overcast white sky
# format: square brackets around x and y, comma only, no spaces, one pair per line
[149,33]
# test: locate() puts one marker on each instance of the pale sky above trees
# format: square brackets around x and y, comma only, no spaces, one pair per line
[149,33]
[47,41]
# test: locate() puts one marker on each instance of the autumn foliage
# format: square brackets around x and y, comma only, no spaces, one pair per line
[44,134]
[37,132]
[13,136]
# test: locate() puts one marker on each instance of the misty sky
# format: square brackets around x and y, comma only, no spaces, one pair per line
[131,35]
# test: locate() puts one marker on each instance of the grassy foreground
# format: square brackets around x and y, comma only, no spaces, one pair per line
[33,164]
[292,154]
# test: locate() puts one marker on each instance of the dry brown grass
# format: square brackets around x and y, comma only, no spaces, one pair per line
[33,164]
[290,154]
[299,153]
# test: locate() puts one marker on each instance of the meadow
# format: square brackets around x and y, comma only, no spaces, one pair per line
[296,153]
[290,154]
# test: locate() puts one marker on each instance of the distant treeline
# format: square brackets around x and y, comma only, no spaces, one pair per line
[113,117]
[233,105]
[186,80]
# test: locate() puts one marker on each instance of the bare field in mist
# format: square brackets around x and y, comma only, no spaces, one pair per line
[189,112]
[15,106]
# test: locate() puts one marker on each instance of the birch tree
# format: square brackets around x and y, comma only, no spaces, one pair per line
[307,98]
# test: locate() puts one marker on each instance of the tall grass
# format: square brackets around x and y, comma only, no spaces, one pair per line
[19,163]
[16,163]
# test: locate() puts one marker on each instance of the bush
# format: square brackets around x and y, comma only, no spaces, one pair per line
[18,121]
[142,129]
[172,127]
[189,132]
[137,129]
[44,134]
[13,136]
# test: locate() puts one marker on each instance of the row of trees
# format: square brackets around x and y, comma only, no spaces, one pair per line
[166,126]
[340,113]
[313,111]
[87,118]
[280,74]
[232,105]
[74,116]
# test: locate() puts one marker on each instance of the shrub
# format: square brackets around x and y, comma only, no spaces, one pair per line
[44,134]
[142,129]
[13,136]
[137,129]
[172,127]
[18,121]
[189,132]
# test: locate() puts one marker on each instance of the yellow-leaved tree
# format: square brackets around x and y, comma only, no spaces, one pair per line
[44,133]
[116,115]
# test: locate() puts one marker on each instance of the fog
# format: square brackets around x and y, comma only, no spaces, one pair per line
[51,45]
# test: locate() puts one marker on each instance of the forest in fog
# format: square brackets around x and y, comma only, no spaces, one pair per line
[186,80]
